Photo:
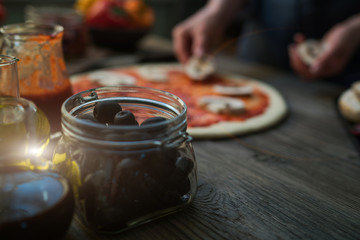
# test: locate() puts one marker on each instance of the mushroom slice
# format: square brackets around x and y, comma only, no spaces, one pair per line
[106,78]
[233,90]
[349,106]
[199,68]
[355,87]
[310,49]
[153,73]
[223,105]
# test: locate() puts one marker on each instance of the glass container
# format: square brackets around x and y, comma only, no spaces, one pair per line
[125,175]
[24,133]
[75,33]
[9,81]
[43,77]
[35,203]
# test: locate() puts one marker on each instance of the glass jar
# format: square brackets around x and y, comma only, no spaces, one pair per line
[75,33]
[124,176]
[43,77]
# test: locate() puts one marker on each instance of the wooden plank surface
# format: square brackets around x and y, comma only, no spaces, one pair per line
[297,180]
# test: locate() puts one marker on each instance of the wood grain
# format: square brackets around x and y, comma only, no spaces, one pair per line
[297,180]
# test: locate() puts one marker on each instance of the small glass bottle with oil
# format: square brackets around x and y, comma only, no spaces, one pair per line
[24,133]
[35,203]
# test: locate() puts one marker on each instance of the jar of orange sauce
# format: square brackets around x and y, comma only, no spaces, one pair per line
[43,77]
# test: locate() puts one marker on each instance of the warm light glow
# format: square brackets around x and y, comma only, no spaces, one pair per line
[34,151]
[37,151]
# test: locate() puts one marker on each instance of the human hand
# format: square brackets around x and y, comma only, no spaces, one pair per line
[200,33]
[296,61]
[341,42]
[197,35]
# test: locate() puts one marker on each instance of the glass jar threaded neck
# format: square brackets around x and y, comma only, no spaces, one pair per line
[78,122]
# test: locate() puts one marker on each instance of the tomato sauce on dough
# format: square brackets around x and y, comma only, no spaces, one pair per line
[190,92]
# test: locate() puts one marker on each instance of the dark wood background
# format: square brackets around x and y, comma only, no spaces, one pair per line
[297,180]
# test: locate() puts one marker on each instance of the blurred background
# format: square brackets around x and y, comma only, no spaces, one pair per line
[94,29]
[167,12]
[104,25]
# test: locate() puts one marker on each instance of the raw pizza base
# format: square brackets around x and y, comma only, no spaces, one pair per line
[275,112]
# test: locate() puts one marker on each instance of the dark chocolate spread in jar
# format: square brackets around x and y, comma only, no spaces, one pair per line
[127,154]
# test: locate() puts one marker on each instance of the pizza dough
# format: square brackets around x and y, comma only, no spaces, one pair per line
[349,103]
[273,113]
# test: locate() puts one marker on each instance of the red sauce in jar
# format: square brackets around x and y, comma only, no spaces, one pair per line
[43,78]
[49,101]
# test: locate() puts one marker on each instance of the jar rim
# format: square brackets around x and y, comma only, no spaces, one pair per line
[31,29]
[75,125]
[53,12]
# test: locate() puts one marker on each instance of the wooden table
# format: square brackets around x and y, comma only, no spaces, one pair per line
[297,180]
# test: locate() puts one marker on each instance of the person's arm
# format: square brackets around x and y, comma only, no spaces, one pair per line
[199,33]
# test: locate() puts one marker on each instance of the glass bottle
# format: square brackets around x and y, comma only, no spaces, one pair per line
[9,82]
[24,133]
[43,77]
[35,203]
[124,176]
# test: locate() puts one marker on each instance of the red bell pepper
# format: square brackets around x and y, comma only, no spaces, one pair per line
[108,14]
